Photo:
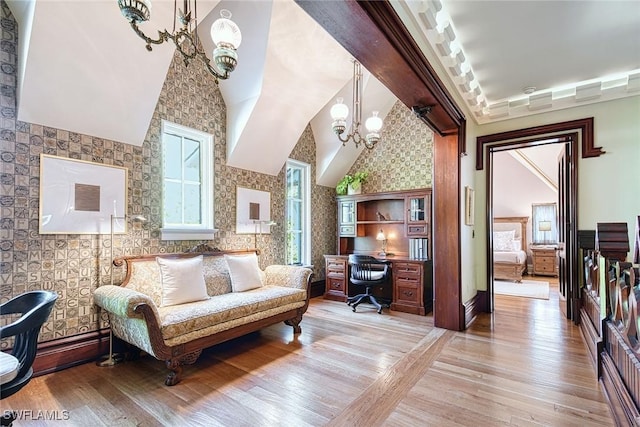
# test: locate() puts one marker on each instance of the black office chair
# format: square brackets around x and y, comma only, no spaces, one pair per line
[368,271]
[34,309]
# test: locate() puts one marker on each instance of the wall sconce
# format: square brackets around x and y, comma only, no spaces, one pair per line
[114,359]
[381,237]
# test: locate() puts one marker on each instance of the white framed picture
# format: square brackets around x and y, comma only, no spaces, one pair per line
[79,197]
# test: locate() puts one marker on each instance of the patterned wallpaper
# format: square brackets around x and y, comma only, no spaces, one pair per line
[403,158]
[74,265]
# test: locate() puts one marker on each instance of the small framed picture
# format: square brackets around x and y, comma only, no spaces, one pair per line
[469,209]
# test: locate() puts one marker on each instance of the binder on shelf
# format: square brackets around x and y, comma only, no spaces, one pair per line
[418,248]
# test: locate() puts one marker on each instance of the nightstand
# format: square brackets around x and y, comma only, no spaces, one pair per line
[544,261]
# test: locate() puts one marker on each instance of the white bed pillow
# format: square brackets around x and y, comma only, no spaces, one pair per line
[244,271]
[182,280]
[503,240]
[517,244]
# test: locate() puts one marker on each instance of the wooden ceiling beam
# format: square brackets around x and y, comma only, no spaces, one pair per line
[374,34]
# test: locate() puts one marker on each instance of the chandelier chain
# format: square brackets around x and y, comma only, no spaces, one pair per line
[340,111]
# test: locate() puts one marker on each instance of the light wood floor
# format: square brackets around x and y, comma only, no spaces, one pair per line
[524,365]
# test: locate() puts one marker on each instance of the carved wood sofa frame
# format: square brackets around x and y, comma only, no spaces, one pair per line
[176,356]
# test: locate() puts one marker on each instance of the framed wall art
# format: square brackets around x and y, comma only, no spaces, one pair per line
[79,197]
[469,209]
[253,211]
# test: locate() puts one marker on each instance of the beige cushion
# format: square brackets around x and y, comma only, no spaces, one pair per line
[244,271]
[9,367]
[188,319]
[182,280]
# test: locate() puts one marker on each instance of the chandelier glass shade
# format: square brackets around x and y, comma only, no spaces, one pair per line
[339,113]
[224,32]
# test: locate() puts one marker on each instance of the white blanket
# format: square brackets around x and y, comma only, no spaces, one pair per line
[515,257]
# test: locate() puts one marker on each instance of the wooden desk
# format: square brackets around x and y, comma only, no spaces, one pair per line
[411,280]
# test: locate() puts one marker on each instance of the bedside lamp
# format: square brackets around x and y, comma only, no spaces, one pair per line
[381,237]
[544,227]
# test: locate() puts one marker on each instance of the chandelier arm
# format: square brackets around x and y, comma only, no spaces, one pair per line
[212,70]
[345,140]
[181,35]
[161,39]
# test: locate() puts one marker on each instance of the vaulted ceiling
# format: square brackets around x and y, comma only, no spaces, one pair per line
[82,68]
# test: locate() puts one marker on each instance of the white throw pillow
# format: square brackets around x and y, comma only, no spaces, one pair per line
[503,240]
[182,280]
[244,271]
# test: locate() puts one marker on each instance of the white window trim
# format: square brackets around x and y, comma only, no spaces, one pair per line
[206,230]
[306,206]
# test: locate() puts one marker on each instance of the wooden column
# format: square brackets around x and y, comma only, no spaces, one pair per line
[376,36]
[448,310]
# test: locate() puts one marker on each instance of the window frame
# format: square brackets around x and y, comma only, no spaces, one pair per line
[205,230]
[305,249]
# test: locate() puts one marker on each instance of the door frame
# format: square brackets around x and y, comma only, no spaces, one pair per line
[553,133]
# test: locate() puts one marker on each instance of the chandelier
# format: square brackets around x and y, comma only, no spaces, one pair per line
[224,32]
[340,111]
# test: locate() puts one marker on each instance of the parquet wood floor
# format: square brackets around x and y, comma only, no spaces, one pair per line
[523,365]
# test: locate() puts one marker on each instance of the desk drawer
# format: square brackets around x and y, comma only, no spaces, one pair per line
[407,271]
[335,285]
[416,229]
[347,230]
[407,292]
[337,266]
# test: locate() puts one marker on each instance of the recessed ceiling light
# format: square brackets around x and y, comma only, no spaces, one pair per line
[529,90]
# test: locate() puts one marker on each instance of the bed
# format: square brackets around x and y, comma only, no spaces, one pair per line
[510,248]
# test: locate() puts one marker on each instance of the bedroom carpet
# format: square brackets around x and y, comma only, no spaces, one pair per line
[527,288]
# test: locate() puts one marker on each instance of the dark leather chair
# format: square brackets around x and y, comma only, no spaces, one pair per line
[34,309]
[369,272]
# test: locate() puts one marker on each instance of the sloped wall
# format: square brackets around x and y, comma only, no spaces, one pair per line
[403,159]
[74,265]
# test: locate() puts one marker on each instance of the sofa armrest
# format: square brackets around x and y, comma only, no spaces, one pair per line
[122,301]
[288,275]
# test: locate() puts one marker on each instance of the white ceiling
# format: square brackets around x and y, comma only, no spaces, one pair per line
[82,68]
[571,52]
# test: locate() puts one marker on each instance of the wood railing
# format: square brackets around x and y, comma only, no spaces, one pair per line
[620,358]
[609,315]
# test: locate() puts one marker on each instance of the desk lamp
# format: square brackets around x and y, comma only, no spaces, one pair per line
[383,239]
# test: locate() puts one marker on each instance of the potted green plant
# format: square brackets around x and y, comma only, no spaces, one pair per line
[352,184]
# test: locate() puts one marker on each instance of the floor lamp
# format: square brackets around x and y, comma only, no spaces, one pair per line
[258,231]
[114,359]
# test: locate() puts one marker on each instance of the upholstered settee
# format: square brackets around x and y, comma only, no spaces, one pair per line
[172,306]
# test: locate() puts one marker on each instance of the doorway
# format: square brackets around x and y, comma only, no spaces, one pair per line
[524,238]
[567,202]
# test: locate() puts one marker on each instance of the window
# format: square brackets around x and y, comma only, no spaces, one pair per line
[298,215]
[187,183]
[544,225]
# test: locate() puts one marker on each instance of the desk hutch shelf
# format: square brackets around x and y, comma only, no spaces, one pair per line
[405,219]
